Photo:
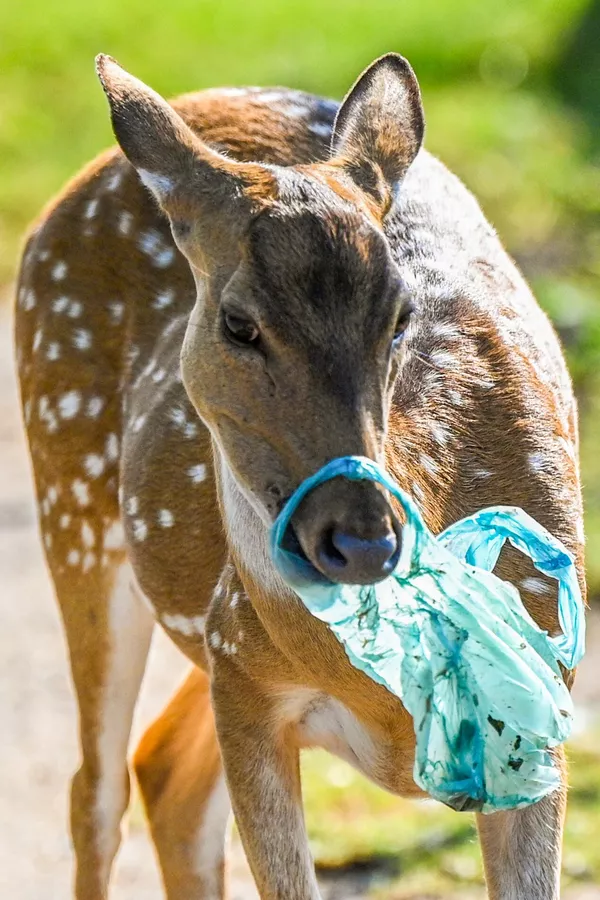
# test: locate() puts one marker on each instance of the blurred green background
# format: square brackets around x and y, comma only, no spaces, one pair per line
[512,97]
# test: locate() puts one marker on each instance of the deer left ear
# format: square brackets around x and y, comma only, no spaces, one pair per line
[379,127]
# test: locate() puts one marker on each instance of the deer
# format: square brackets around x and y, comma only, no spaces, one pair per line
[252,283]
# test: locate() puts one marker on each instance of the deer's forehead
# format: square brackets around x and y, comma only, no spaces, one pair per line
[317,258]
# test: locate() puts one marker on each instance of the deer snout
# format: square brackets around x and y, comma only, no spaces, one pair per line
[349,532]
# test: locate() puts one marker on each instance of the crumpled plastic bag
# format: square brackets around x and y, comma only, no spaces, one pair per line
[455,643]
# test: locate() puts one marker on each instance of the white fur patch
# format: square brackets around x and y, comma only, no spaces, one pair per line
[212,839]
[160,185]
[130,630]
[186,625]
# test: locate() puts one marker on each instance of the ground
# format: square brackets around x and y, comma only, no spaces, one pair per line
[38,753]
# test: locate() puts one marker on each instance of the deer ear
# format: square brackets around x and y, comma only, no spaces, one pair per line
[379,126]
[153,137]
[192,182]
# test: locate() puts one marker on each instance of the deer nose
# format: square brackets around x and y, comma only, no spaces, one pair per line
[352,559]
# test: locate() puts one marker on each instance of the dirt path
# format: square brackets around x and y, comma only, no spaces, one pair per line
[38,750]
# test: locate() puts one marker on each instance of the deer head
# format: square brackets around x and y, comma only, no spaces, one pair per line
[295,342]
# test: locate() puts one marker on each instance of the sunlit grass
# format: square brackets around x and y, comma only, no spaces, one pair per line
[420,848]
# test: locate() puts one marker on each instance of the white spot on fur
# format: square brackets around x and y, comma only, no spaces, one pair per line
[537,462]
[428,464]
[37,340]
[197,473]
[64,521]
[94,407]
[443,359]
[417,492]
[132,506]
[59,271]
[215,640]
[536,585]
[164,257]
[69,404]
[159,376]
[53,351]
[88,537]
[322,129]
[233,92]
[234,600]
[140,530]
[82,339]
[75,309]
[81,492]
[114,536]
[111,448]
[440,433]
[52,494]
[91,209]
[89,561]
[456,398]
[177,416]
[60,304]
[125,223]
[166,518]
[73,557]
[29,301]
[186,625]
[116,310]
[447,331]
[94,465]
[114,182]
[163,299]
[138,423]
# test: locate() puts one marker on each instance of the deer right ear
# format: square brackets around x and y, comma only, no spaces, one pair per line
[379,127]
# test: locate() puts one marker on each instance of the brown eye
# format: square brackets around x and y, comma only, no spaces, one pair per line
[240,330]
[402,324]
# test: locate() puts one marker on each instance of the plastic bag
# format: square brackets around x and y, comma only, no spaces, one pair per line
[455,643]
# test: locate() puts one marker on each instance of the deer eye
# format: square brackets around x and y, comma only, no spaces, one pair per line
[240,330]
[402,324]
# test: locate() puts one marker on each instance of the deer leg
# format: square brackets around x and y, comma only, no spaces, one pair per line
[263,777]
[522,848]
[179,770]
[108,631]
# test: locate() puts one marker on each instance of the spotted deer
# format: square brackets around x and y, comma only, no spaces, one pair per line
[256,282]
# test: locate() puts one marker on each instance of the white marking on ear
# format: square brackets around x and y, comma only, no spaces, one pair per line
[160,185]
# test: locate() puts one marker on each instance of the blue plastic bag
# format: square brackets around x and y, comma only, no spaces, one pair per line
[455,643]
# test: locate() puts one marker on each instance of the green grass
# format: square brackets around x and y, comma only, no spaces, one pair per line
[423,848]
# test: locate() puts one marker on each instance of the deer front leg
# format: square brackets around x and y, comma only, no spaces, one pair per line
[263,777]
[522,848]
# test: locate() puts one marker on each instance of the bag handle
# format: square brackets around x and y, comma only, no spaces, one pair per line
[478,540]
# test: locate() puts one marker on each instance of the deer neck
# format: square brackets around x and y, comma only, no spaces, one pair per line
[247,532]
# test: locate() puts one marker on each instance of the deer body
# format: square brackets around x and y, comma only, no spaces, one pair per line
[156,485]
